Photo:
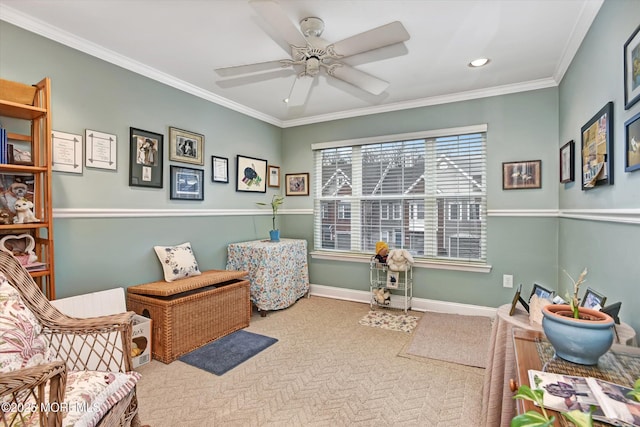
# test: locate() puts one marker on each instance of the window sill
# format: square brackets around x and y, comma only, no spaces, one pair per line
[419,263]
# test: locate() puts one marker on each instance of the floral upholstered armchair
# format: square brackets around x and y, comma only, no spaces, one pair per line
[57,370]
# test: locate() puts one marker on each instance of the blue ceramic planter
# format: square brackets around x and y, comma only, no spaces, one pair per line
[275,235]
[582,340]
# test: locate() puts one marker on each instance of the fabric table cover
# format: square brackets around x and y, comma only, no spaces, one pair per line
[278,271]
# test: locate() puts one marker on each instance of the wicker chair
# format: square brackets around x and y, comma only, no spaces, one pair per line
[92,344]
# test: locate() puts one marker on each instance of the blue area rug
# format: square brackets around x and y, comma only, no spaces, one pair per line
[226,353]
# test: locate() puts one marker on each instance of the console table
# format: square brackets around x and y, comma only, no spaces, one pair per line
[498,406]
[278,271]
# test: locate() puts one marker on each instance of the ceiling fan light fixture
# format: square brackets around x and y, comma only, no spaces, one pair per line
[480,62]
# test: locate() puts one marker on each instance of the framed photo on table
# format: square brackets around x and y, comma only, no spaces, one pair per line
[632,144]
[186,147]
[251,174]
[597,149]
[567,162]
[541,292]
[631,69]
[219,169]
[145,158]
[296,184]
[593,299]
[186,183]
[274,176]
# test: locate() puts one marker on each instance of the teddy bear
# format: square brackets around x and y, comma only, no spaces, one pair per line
[23,212]
[382,296]
[399,260]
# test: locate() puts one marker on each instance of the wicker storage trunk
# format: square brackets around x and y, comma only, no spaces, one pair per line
[191,312]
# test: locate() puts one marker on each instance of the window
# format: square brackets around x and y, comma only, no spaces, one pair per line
[424,192]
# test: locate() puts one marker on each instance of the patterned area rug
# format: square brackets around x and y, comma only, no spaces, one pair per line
[393,322]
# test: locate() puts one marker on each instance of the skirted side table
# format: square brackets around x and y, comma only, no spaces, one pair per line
[278,271]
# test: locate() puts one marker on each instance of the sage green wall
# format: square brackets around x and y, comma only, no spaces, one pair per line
[608,249]
[522,126]
[87,93]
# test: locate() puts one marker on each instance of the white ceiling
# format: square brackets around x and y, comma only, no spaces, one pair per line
[530,43]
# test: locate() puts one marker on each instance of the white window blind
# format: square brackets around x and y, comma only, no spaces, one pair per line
[425,193]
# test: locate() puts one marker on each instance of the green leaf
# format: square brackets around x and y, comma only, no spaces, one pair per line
[531,419]
[579,418]
[526,393]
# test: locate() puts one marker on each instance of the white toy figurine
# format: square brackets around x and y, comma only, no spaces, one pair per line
[23,212]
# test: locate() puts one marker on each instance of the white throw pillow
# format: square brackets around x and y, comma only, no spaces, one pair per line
[177,262]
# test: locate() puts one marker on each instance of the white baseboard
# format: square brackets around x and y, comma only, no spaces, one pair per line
[418,304]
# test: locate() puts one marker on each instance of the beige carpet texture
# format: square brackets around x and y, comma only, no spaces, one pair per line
[453,338]
[325,370]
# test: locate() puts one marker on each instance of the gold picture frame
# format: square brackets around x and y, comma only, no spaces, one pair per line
[186,146]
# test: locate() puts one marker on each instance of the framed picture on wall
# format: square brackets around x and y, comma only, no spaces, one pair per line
[186,183]
[100,150]
[296,184]
[219,169]
[597,149]
[274,176]
[632,69]
[251,174]
[567,162]
[632,144]
[185,146]
[522,175]
[66,152]
[145,158]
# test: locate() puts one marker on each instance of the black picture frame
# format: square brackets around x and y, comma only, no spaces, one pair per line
[632,144]
[592,298]
[541,292]
[251,174]
[567,162]
[522,175]
[146,158]
[597,149]
[613,310]
[631,81]
[186,183]
[219,169]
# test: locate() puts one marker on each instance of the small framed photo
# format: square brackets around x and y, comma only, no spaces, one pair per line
[100,150]
[219,169]
[145,161]
[541,292]
[297,184]
[185,146]
[613,310]
[66,152]
[274,176]
[518,298]
[186,183]
[593,299]
[251,174]
[597,149]
[631,70]
[567,162]
[632,144]
[522,175]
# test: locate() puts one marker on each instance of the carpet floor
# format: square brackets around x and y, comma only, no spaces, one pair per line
[451,338]
[325,370]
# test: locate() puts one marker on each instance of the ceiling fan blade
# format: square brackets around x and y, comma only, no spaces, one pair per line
[275,16]
[300,91]
[359,79]
[382,36]
[258,67]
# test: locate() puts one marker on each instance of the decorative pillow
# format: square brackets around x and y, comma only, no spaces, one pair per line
[22,345]
[177,262]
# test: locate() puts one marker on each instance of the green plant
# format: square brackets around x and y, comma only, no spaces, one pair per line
[574,300]
[542,419]
[276,201]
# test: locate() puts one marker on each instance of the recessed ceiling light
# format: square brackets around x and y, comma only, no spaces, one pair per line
[286,100]
[479,62]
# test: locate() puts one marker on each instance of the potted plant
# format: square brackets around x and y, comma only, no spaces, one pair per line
[276,201]
[542,418]
[577,334]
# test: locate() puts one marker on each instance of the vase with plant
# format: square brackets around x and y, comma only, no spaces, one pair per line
[578,334]
[276,201]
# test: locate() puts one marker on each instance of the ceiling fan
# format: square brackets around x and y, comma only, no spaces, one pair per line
[310,54]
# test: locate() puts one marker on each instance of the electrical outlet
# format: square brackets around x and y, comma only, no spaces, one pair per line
[507,280]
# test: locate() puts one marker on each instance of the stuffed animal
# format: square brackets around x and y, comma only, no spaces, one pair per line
[23,212]
[382,296]
[382,250]
[399,260]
